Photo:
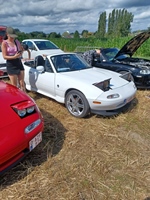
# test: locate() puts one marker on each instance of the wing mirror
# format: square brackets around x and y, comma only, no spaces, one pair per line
[40,69]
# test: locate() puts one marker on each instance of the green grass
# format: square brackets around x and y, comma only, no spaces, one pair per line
[72,44]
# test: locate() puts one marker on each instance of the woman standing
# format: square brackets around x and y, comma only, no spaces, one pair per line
[11,50]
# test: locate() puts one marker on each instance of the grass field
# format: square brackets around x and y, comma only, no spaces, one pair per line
[95,158]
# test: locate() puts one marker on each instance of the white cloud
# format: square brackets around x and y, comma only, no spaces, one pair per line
[59,16]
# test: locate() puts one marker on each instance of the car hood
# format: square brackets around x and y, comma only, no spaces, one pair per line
[132,45]
[95,75]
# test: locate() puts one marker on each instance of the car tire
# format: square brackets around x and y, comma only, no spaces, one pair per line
[131,77]
[77,104]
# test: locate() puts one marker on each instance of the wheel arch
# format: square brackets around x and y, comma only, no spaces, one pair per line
[73,89]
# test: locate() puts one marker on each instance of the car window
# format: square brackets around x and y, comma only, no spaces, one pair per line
[30,45]
[110,53]
[68,62]
[48,67]
[45,45]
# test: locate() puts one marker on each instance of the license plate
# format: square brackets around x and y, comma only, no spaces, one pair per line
[35,141]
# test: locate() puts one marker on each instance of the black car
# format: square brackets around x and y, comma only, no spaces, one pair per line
[122,61]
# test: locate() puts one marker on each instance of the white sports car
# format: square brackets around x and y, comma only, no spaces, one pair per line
[83,89]
[39,47]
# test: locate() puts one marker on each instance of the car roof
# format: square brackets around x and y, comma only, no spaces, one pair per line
[60,53]
[35,40]
[132,45]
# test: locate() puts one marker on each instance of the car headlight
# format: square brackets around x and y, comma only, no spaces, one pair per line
[21,113]
[30,109]
[104,85]
[145,71]
[113,96]
[24,108]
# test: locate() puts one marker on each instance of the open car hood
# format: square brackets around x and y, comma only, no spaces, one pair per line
[132,45]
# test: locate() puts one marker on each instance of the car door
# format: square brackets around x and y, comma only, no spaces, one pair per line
[43,81]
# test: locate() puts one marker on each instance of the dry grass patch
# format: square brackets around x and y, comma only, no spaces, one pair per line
[96,158]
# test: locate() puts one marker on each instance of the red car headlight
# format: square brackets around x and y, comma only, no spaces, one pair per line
[24,108]
[30,109]
[21,113]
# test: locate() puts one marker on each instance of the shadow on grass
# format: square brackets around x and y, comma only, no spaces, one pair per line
[52,143]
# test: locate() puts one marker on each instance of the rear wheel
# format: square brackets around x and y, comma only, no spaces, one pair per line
[77,104]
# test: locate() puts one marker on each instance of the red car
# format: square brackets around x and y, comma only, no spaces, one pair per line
[21,125]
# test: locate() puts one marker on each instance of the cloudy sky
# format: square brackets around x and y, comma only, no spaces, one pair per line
[68,15]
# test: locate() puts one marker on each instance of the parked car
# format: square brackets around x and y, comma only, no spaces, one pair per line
[39,47]
[122,60]
[3,65]
[83,89]
[21,125]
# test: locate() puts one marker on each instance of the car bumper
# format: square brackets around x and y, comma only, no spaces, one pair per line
[142,82]
[112,112]
[15,152]
[104,105]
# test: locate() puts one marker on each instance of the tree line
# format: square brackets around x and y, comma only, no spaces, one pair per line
[118,24]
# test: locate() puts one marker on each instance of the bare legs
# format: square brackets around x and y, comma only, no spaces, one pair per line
[18,79]
[21,81]
[13,79]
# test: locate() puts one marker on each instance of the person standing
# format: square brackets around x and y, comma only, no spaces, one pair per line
[12,52]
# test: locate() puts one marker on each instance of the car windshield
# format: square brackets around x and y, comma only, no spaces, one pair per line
[110,54]
[69,62]
[45,45]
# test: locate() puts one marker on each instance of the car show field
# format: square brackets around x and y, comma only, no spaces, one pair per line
[81,154]
[89,158]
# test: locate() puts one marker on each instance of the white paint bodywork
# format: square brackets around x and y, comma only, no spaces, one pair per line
[56,85]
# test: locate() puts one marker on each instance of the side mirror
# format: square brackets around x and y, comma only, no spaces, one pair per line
[40,69]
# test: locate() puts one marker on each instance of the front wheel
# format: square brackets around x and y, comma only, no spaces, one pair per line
[77,104]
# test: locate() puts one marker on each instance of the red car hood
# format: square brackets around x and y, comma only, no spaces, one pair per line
[9,95]
[132,45]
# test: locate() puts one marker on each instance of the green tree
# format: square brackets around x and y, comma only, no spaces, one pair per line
[84,33]
[102,25]
[76,35]
[52,35]
[119,23]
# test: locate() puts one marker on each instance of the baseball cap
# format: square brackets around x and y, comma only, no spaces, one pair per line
[11,32]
